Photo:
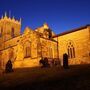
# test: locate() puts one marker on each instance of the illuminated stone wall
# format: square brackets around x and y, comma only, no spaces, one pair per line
[80,41]
[27,49]
[39,47]
[9,28]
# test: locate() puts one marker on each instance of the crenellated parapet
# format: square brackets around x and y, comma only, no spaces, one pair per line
[9,27]
[10,19]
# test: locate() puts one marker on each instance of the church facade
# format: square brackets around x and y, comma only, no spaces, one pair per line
[76,43]
[26,49]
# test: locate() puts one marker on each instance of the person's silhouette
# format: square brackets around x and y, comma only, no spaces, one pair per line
[8,67]
[44,62]
[65,60]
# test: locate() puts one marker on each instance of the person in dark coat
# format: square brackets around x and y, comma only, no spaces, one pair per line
[65,61]
[8,67]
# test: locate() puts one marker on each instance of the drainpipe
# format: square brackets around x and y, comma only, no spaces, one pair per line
[57,49]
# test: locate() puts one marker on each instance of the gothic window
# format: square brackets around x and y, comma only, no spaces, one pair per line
[55,50]
[68,53]
[71,55]
[71,50]
[27,49]
[12,32]
[1,31]
[50,52]
[0,59]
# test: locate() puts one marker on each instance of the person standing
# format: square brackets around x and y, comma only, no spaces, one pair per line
[8,67]
[65,61]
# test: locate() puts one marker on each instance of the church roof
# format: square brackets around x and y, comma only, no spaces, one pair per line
[73,30]
[27,30]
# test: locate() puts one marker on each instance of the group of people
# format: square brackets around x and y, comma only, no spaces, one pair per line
[44,62]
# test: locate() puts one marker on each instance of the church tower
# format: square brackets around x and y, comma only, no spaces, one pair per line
[9,28]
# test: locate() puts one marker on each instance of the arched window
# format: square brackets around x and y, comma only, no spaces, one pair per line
[1,31]
[50,52]
[0,59]
[71,54]
[71,50]
[27,49]
[68,53]
[12,32]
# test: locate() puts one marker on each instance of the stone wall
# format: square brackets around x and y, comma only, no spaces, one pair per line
[80,40]
[27,49]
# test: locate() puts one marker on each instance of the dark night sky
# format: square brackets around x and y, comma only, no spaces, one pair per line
[61,15]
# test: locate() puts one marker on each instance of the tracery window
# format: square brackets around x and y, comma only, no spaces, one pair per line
[12,32]
[71,50]
[27,49]
[1,31]
[50,52]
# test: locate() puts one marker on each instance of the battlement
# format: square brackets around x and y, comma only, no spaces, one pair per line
[7,18]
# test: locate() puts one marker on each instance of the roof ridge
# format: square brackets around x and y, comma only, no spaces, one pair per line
[72,30]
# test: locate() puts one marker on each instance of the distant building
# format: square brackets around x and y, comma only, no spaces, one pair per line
[25,50]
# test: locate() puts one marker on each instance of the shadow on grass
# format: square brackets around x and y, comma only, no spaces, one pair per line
[55,78]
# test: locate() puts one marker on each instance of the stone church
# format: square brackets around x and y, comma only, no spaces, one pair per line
[76,43]
[27,48]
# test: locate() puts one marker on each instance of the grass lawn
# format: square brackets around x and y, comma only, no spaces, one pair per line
[55,78]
